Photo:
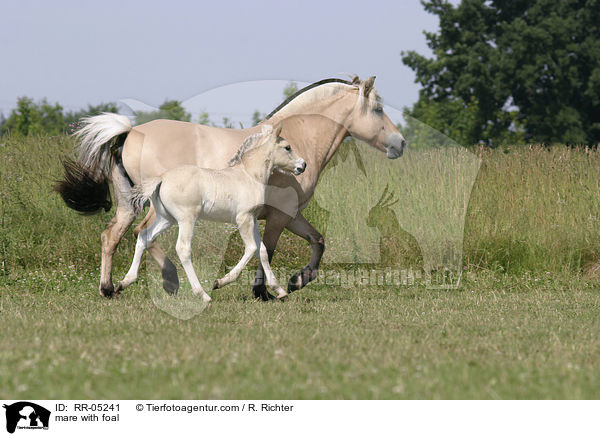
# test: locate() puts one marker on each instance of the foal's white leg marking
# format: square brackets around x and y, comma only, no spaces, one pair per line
[245,227]
[146,236]
[248,228]
[264,260]
[184,251]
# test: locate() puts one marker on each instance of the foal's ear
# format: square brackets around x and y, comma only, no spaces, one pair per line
[277,130]
[266,129]
[368,85]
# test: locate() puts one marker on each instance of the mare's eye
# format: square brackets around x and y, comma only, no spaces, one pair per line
[288,148]
[379,109]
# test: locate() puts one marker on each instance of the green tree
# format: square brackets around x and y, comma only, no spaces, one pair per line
[170,110]
[72,118]
[35,118]
[227,123]
[290,89]
[533,68]
[257,117]
[204,119]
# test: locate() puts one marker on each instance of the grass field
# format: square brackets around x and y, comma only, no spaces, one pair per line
[524,323]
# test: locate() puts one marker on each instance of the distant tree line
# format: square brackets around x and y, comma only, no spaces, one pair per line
[30,118]
[42,117]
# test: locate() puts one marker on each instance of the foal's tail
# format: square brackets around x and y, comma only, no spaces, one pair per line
[85,184]
[142,192]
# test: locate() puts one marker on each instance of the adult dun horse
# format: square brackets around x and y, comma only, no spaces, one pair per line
[315,120]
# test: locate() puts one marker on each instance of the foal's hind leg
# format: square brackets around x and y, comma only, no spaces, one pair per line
[145,238]
[168,269]
[184,251]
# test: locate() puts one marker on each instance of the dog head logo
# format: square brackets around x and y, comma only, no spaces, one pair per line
[26,415]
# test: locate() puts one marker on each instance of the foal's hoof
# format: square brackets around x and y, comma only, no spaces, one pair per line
[216,285]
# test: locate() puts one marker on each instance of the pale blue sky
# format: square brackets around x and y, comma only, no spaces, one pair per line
[77,52]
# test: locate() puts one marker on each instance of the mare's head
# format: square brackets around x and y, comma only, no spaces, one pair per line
[369,123]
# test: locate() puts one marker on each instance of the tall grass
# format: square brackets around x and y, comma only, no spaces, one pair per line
[535,209]
[509,335]
[530,209]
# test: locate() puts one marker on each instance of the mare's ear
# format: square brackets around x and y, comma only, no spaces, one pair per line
[277,130]
[367,85]
[266,129]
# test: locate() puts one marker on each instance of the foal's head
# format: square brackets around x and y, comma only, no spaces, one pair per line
[268,146]
[281,154]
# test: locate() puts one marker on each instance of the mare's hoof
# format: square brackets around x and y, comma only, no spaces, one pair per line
[295,282]
[170,287]
[170,281]
[260,293]
[216,285]
[107,291]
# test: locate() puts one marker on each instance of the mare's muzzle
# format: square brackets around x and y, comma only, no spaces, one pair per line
[394,146]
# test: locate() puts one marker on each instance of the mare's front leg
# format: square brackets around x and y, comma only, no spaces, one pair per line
[303,228]
[167,268]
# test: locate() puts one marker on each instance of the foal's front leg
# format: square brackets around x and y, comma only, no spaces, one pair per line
[245,225]
[250,234]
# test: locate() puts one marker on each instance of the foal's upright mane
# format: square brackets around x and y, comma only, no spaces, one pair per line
[247,145]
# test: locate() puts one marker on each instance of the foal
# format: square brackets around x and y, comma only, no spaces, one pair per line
[235,194]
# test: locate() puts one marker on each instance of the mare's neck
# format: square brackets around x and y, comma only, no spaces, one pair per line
[315,138]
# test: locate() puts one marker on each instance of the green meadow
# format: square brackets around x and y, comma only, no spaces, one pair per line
[520,227]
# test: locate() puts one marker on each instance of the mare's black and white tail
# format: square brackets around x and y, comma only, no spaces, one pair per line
[85,184]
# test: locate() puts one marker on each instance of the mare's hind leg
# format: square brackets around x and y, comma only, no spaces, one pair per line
[145,238]
[168,269]
[303,228]
[118,226]
[184,251]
